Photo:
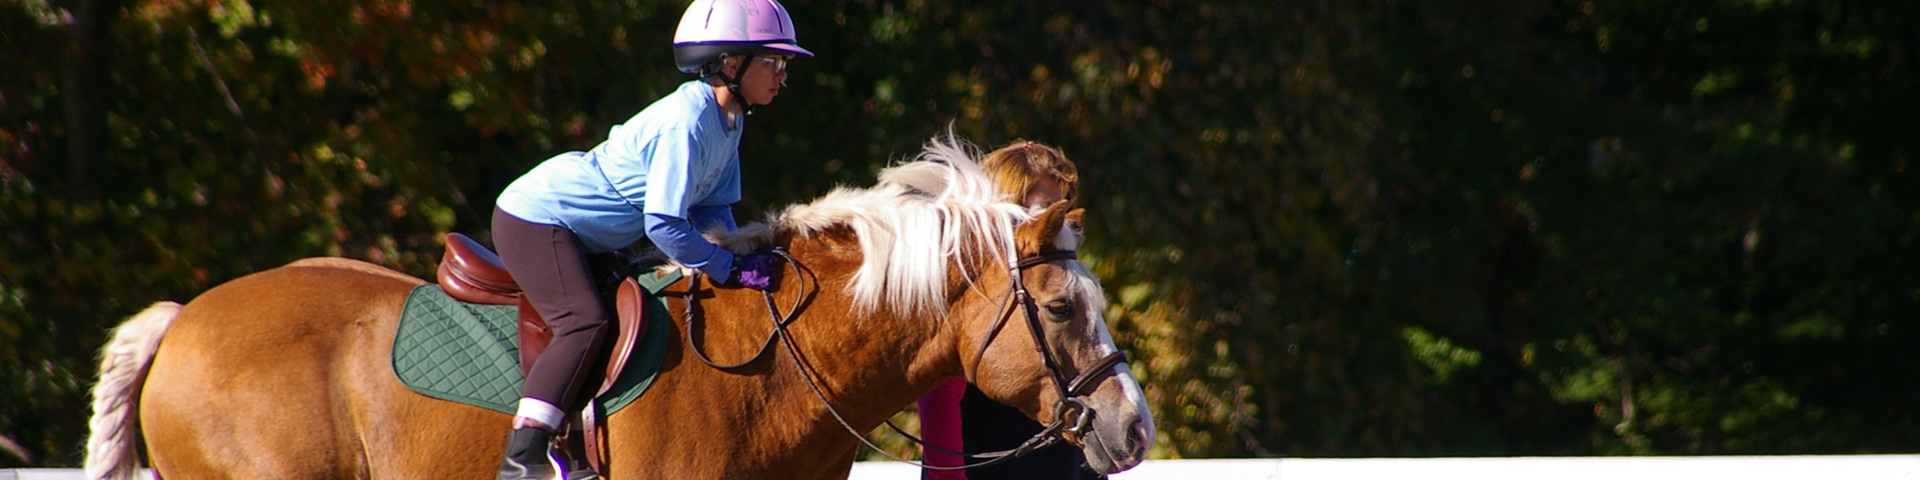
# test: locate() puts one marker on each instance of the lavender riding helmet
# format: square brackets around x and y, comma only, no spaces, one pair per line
[713,30]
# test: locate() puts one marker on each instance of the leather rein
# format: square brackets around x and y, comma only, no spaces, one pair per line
[1069,390]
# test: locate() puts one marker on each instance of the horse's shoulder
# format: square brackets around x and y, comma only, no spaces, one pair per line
[342,263]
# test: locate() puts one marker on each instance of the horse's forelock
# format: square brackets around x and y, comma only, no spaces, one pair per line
[923,215]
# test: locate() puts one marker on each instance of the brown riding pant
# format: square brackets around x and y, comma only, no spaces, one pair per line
[556,276]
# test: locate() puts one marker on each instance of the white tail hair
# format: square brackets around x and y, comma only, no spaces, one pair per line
[123,365]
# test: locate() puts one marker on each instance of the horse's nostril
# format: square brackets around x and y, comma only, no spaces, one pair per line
[1137,441]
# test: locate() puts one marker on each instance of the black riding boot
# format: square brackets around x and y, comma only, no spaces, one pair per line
[526,456]
[575,443]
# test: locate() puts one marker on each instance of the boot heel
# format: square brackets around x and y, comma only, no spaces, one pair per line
[528,456]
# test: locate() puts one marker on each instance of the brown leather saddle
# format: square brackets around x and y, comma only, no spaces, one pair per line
[472,273]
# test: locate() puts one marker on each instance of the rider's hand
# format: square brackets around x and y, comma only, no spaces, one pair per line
[758,270]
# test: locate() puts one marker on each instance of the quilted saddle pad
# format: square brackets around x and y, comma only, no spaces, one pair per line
[467,353]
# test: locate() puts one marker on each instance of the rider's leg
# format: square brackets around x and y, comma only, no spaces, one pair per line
[549,264]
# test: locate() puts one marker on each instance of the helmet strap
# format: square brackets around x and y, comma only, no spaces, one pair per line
[733,84]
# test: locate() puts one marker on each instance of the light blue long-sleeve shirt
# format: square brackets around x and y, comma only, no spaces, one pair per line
[668,172]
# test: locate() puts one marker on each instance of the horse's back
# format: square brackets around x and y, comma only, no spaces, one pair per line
[281,374]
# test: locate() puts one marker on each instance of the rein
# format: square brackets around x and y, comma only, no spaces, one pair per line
[780,322]
[1069,391]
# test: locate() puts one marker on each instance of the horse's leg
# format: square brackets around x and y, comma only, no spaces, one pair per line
[409,435]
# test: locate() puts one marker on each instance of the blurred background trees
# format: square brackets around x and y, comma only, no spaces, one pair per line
[1371,228]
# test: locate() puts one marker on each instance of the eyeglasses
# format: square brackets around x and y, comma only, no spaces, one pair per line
[779,63]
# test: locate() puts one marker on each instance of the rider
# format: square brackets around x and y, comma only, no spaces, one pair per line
[955,414]
[666,173]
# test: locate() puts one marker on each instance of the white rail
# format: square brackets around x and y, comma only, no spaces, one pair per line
[1808,467]
[1801,467]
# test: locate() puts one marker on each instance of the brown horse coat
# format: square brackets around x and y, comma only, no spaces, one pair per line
[286,373]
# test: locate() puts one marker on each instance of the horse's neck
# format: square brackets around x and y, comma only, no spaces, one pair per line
[868,365]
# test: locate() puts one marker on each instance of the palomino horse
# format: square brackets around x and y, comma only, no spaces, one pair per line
[286,373]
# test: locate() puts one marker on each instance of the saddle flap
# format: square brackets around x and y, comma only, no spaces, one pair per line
[534,336]
[630,305]
[629,326]
[631,309]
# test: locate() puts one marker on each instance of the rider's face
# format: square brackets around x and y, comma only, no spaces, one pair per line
[764,79]
[1045,192]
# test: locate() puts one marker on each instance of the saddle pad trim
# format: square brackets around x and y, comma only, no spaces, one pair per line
[656,280]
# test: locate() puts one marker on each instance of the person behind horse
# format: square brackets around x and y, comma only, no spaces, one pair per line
[956,414]
[671,170]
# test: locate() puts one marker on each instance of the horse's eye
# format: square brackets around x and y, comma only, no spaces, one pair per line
[1060,308]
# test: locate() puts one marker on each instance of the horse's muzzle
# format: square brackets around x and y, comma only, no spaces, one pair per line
[1121,430]
[1115,448]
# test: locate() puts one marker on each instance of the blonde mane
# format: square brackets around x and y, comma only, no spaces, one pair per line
[923,216]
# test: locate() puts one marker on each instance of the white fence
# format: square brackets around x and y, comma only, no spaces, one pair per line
[1809,467]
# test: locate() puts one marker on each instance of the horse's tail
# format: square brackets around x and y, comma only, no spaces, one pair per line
[123,366]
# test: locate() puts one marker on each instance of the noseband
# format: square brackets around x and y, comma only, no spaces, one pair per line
[1069,391]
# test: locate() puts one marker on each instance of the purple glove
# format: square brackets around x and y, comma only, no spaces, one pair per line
[756,270]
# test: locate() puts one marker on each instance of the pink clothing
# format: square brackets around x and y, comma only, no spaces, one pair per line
[940,426]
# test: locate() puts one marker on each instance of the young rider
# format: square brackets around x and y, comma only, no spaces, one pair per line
[667,173]
[955,414]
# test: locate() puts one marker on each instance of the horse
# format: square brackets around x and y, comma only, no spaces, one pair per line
[926,275]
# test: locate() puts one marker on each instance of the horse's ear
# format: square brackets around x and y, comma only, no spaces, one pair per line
[1038,235]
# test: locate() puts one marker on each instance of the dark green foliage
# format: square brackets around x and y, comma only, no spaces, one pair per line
[1329,229]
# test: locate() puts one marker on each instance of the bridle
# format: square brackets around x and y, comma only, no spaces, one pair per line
[1069,391]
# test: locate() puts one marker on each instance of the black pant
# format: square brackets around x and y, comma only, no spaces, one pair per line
[988,425]
[558,278]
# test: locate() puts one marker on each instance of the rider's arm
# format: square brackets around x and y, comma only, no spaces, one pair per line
[676,237]
[705,217]
[669,202]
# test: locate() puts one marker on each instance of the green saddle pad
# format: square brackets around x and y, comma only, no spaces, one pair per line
[468,353]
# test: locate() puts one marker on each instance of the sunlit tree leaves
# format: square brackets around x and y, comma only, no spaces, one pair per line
[1329,229]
